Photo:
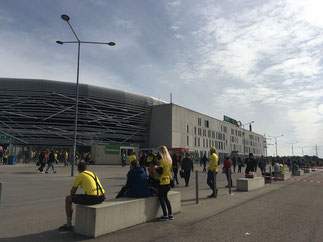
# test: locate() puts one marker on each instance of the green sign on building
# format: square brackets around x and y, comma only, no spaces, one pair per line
[112,149]
[4,139]
[230,120]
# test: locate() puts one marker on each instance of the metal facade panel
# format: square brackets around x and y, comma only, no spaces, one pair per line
[37,112]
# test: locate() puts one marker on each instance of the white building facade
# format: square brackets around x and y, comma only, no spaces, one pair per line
[178,127]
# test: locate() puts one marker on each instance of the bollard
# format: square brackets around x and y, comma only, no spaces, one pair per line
[229,173]
[197,186]
[1,186]
[214,184]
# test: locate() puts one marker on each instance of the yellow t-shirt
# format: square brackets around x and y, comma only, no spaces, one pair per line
[132,158]
[87,183]
[164,178]
[213,162]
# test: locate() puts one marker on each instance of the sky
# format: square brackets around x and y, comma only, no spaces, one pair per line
[251,60]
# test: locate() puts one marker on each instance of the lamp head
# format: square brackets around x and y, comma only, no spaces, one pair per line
[111,44]
[65,17]
[59,42]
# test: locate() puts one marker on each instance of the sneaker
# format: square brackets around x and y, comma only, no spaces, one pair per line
[54,171]
[43,172]
[162,218]
[212,195]
[170,217]
[66,228]
[46,172]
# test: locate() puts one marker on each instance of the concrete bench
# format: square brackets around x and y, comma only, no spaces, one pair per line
[113,215]
[298,173]
[307,170]
[284,176]
[249,184]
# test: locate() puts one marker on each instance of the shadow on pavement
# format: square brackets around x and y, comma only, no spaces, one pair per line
[52,235]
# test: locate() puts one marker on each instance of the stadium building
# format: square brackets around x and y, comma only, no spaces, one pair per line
[39,114]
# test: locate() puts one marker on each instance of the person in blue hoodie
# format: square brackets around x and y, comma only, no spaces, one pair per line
[136,186]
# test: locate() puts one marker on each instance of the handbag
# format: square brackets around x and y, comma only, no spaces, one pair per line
[181,173]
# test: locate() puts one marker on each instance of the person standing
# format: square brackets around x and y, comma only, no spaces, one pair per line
[240,164]
[212,172]
[251,164]
[42,161]
[262,165]
[227,169]
[187,167]
[165,165]
[204,160]
[132,158]
[234,163]
[123,159]
[175,166]
[51,160]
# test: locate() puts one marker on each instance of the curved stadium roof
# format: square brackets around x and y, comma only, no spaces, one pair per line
[41,112]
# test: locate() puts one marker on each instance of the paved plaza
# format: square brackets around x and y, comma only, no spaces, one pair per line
[33,209]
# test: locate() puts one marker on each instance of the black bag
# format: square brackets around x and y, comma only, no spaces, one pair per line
[172,184]
[181,173]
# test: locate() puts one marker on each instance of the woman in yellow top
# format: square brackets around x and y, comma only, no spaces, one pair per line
[164,168]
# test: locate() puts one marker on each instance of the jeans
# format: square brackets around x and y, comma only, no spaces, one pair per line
[239,169]
[50,165]
[211,180]
[162,196]
[227,175]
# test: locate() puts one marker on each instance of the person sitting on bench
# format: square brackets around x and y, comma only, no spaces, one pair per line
[136,185]
[94,193]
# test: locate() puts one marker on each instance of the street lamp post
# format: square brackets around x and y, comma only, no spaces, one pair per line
[244,140]
[292,143]
[78,42]
[275,137]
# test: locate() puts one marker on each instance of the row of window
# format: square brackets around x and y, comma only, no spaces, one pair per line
[206,123]
[206,133]
[206,143]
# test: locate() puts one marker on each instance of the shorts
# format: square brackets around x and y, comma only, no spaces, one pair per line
[87,199]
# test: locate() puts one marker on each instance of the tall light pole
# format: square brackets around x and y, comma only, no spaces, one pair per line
[275,137]
[292,143]
[78,42]
[244,139]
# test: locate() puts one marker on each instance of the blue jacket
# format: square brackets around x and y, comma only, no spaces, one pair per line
[137,185]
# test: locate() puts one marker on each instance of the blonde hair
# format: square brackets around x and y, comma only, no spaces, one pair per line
[165,155]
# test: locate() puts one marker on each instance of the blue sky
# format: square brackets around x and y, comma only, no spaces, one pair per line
[247,59]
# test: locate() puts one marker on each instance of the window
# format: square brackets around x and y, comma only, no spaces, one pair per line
[203,143]
[206,123]
[236,132]
[199,122]
[199,131]
[198,142]
[213,134]
[195,130]
[225,130]
[239,133]
[232,131]
[187,129]
[204,132]
[195,142]
[188,140]
[209,143]
[209,133]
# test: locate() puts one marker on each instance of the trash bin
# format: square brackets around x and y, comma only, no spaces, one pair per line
[267,177]
[12,160]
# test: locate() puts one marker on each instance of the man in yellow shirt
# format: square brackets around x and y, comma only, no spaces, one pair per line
[212,172]
[94,193]
[132,157]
